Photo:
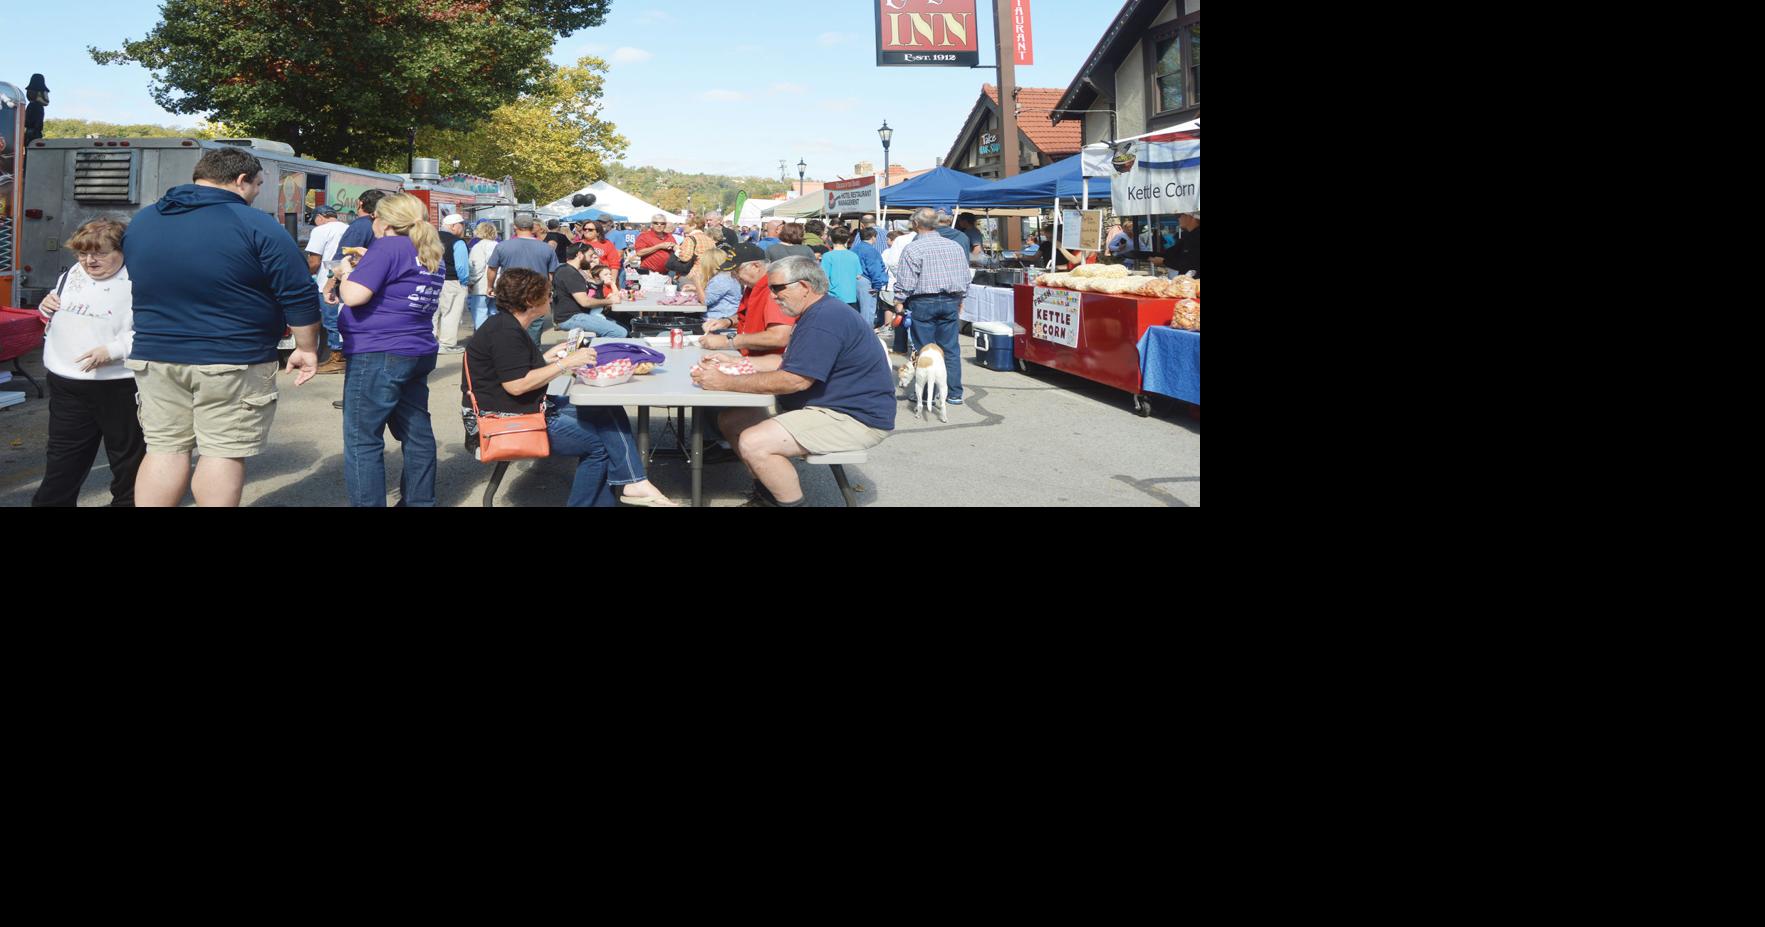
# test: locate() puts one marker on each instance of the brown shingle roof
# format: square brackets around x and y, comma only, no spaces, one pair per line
[1034,120]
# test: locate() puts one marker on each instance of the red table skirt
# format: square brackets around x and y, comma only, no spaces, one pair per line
[21,332]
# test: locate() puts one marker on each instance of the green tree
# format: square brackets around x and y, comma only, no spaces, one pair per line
[81,128]
[551,140]
[349,82]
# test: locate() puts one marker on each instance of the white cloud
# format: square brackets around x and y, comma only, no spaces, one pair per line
[790,88]
[830,39]
[843,105]
[631,56]
[724,96]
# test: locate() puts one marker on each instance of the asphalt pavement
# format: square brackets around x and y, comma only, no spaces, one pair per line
[1039,439]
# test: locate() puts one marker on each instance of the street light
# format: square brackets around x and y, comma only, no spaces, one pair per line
[886,133]
[801,168]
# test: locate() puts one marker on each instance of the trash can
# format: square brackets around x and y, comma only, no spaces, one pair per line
[992,345]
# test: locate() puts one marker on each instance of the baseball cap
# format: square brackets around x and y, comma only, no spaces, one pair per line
[744,253]
[326,211]
[451,220]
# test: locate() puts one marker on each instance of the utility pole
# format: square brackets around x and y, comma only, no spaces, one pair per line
[1005,45]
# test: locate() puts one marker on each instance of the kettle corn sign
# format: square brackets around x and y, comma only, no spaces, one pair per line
[927,33]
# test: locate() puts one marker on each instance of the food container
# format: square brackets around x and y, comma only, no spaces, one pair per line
[607,375]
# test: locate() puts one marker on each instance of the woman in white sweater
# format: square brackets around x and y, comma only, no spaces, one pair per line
[91,394]
[477,287]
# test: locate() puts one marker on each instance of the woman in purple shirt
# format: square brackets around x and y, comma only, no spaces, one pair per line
[389,338]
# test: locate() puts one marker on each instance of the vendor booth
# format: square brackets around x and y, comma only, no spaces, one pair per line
[938,189]
[1089,323]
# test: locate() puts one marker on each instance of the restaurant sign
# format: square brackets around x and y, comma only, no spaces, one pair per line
[1055,316]
[850,197]
[927,33]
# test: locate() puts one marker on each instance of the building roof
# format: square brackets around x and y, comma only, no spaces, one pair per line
[1034,104]
[1128,28]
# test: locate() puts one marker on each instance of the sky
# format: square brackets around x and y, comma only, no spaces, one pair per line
[698,86]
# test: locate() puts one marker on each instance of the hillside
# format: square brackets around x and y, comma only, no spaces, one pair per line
[671,189]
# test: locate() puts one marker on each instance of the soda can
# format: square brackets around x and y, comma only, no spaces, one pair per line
[677,339]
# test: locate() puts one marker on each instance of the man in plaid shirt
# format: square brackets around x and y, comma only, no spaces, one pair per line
[931,281]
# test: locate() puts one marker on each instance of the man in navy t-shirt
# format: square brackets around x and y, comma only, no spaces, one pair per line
[361,232]
[832,381]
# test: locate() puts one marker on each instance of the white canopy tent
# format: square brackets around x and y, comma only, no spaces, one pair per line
[754,212]
[807,207]
[609,198]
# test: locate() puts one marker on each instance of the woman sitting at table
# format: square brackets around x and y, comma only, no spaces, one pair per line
[510,376]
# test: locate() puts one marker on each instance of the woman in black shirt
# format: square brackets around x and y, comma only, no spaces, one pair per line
[510,375]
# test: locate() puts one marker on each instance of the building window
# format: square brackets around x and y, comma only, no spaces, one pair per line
[1195,64]
[1175,53]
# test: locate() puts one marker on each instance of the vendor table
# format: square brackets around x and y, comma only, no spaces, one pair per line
[1108,335]
[670,386]
[1170,363]
[988,304]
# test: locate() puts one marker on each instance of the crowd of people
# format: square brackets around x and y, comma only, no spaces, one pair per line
[162,340]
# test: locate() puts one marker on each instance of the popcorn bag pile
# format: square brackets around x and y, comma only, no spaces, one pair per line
[1188,317]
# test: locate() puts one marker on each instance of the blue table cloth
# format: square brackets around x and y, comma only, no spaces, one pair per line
[1170,363]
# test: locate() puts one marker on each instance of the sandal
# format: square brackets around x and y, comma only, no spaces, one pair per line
[659,502]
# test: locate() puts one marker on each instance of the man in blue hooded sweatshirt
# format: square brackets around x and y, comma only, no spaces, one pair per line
[216,281]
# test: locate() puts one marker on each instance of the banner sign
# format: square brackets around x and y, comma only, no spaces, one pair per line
[1055,315]
[929,33]
[850,197]
[1156,176]
[1020,33]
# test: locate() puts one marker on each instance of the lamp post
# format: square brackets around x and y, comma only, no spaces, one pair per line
[886,134]
[801,168]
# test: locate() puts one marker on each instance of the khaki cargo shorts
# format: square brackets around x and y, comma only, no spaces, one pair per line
[824,431]
[221,410]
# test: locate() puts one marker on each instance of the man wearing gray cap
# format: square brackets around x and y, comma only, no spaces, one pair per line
[452,307]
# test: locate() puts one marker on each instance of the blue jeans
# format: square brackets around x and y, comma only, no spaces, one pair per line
[572,437]
[333,338]
[594,321]
[481,308]
[867,306]
[613,427]
[381,390]
[538,327]
[936,321]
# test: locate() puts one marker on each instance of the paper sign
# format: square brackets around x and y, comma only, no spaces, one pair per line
[1054,316]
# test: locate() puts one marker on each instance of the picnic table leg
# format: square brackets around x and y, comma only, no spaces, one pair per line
[698,462]
[643,434]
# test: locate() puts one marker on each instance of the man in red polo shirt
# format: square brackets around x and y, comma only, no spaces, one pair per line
[655,245]
[761,326]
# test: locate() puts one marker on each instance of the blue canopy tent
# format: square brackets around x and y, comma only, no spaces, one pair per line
[593,215]
[1060,180]
[938,189]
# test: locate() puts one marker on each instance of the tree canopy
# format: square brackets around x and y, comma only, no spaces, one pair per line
[551,140]
[349,82]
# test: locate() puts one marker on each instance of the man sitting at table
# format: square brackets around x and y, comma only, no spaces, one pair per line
[833,384]
[580,293]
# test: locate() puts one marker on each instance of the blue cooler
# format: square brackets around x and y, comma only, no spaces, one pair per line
[992,345]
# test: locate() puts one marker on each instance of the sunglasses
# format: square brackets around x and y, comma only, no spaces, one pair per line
[777,287]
